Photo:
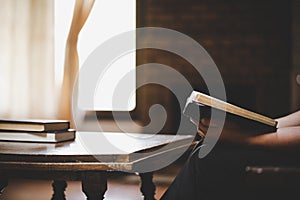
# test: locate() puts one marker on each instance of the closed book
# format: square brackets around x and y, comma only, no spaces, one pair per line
[51,137]
[34,125]
[200,105]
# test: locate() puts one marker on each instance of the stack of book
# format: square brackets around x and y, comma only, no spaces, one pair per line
[36,131]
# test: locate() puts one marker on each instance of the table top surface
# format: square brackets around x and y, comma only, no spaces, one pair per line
[91,146]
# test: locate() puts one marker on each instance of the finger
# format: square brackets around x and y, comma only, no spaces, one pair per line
[205,122]
[209,123]
[203,128]
[201,133]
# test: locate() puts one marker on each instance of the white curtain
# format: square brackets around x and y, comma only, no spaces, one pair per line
[81,12]
[27,59]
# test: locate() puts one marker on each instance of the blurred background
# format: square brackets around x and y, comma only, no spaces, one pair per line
[255,45]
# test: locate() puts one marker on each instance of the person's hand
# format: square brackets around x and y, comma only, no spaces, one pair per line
[201,131]
[286,137]
[230,132]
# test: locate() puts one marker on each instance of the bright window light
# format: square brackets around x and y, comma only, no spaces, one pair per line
[108,18]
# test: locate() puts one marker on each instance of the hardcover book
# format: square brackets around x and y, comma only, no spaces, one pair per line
[200,105]
[34,125]
[49,137]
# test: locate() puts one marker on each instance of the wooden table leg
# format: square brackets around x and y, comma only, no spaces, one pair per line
[147,186]
[94,185]
[59,188]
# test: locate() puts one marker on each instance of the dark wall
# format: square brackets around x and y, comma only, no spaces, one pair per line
[250,42]
[295,82]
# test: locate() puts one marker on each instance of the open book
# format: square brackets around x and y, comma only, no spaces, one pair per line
[200,105]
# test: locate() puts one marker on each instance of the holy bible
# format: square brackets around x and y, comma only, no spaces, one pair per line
[200,105]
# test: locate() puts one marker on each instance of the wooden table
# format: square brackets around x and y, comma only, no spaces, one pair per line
[89,158]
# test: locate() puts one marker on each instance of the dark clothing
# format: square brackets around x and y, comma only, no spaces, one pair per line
[222,175]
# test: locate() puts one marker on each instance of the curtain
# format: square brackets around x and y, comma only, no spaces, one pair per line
[27,82]
[81,12]
[27,59]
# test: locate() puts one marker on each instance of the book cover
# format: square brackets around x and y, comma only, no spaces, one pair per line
[200,105]
[34,125]
[49,137]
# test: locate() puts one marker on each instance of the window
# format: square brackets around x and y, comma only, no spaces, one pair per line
[107,18]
